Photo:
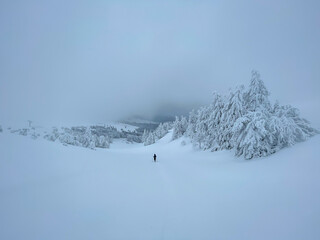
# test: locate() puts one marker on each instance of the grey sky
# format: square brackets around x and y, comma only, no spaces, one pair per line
[92,60]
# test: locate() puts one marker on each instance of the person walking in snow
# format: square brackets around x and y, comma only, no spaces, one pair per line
[154,157]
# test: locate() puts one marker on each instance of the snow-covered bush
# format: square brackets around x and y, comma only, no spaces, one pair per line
[24,131]
[35,135]
[80,136]
[53,136]
[89,137]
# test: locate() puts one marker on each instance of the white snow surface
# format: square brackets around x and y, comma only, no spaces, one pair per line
[49,191]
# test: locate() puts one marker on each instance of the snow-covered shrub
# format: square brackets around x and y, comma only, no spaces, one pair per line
[35,135]
[24,131]
[91,137]
[80,136]
[53,136]
[32,132]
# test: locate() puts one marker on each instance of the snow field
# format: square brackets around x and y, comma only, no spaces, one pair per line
[49,191]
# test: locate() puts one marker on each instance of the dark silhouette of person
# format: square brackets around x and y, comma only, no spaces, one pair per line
[154,157]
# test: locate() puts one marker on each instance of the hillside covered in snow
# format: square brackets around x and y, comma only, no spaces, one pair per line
[49,191]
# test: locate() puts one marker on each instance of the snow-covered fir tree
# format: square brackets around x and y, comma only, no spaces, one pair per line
[201,136]
[145,135]
[151,139]
[160,131]
[251,136]
[89,139]
[233,109]
[191,128]
[257,95]
[214,136]
[179,127]
[288,127]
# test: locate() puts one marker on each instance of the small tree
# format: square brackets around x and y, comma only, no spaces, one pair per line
[145,135]
[179,127]
[191,129]
[150,139]
[257,95]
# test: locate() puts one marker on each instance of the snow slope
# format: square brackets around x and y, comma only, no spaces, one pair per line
[49,191]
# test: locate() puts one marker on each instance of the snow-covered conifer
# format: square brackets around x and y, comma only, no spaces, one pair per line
[191,124]
[150,139]
[200,137]
[234,108]
[214,122]
[88,140]
[145,135]
[257,95]
[288,127]
[159,131]
[179,127]
[251,137]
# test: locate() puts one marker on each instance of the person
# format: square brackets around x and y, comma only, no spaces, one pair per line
[154,157]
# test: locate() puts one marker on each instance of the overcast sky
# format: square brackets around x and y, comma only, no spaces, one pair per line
[94,60]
